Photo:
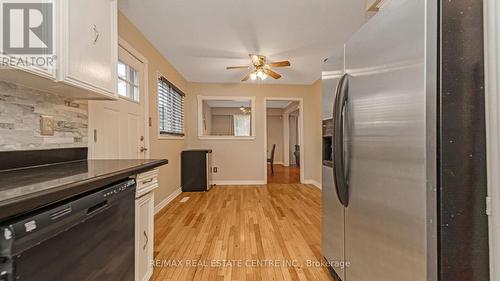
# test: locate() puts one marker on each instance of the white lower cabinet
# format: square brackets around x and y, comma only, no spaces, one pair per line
[144,223]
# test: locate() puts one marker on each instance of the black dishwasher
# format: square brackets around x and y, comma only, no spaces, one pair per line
[86,238]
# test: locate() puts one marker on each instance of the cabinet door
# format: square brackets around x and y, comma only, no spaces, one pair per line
[91,45]
[144,222]
[29,51]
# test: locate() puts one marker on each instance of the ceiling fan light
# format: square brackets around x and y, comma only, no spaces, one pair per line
[253,75]
[263,76]
[260,73]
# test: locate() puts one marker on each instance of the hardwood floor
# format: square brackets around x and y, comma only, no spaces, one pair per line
[244,233]
[283,175]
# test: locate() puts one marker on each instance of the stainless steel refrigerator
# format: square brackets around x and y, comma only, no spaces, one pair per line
[403,147]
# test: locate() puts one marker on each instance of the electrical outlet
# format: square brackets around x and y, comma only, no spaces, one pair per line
[214,170]
[46,125]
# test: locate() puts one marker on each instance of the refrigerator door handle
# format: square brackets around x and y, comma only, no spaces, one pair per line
[339,167]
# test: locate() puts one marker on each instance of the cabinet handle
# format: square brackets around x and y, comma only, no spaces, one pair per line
[147,181]
[147,240]
[96,33]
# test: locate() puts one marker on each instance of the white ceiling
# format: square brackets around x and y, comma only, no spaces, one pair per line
[277,103]
[201,38]
[233,103]
[227,103]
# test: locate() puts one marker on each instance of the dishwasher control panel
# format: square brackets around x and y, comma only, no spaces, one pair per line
[118,188]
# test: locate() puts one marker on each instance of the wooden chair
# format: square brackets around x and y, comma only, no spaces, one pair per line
[271,160]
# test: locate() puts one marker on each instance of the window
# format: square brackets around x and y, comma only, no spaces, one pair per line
[242,125]
[226,117]
[171,108]
[128,81]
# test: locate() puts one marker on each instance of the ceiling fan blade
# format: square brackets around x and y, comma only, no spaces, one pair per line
[272,73]
[246,77]
[237,67]
[279,64]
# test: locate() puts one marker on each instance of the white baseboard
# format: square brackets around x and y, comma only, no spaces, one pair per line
[313,182]
[167,200]
[239,182]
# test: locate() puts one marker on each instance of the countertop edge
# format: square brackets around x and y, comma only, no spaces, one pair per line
[28,203]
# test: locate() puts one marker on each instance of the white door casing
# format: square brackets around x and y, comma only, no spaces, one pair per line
[118,129]
[492,65]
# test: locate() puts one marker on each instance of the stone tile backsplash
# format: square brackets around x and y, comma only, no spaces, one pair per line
[20,111]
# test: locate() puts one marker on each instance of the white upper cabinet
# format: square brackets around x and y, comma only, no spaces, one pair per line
[34,49]
[89,44]
[83,35]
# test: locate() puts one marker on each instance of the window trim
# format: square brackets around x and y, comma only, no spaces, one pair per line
[202,98]
[168,136]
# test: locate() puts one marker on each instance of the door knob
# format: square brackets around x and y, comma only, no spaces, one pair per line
[143,149]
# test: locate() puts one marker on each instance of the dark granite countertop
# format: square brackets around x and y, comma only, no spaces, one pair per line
[24,190]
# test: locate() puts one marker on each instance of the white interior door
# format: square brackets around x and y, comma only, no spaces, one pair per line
[117,128]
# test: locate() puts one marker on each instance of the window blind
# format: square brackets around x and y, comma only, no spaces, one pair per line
[171,108]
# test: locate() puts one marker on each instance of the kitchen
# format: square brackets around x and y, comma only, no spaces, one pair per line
[398,140]
[57,194]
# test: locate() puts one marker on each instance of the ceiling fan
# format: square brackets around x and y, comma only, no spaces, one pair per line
[260,68]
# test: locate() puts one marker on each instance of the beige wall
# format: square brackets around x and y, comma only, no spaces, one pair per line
[243,160]
[222,125]
[274,112]
[169,178]
[222,121]
[275,133]
[315,146]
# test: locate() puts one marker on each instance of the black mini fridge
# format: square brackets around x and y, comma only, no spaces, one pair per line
[196,170]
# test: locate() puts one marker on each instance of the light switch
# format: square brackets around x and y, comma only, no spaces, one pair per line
[47,125]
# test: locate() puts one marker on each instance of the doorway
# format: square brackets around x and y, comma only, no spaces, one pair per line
[118,129]
[283,135]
